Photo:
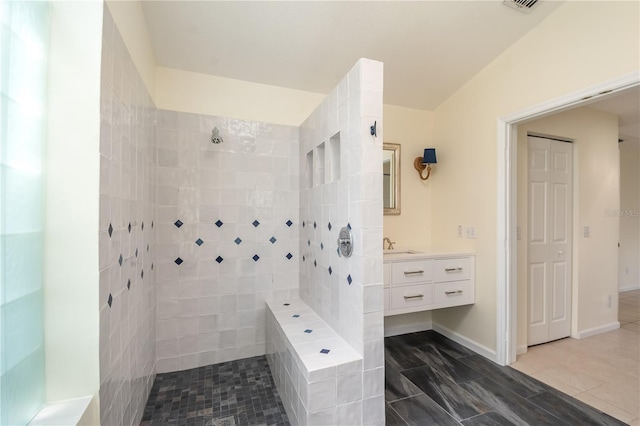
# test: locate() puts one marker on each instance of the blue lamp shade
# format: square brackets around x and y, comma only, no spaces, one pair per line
[429,156]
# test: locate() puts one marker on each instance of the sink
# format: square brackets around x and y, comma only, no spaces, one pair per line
[399,253]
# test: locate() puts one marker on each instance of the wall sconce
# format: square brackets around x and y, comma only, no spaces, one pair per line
[425,162]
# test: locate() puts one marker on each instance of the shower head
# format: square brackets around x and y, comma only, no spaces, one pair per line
[215,136]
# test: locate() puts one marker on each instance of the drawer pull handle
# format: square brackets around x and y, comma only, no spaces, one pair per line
[458,269]
[414,272]
[448,293]
[417,296]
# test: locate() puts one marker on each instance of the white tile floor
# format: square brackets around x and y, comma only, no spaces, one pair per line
[602,371]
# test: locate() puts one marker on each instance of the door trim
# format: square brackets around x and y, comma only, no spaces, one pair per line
[507,255]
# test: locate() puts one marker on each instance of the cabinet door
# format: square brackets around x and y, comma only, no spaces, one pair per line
[412,271]
[453,269]
[411,296]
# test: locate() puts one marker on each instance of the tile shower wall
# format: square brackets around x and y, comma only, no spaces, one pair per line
[341,186]
[127,244]
[227,235]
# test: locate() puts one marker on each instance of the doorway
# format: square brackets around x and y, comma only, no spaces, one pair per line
[549,238]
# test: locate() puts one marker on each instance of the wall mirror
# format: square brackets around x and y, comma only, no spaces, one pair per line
[391,178]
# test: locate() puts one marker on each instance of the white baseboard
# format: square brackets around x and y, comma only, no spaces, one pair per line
[490,354]
[397,330]
[597,330]
[629,288]
[522,349]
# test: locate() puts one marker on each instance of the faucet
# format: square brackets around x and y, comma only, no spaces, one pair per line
[388,241]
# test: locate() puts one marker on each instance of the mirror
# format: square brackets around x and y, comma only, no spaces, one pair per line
[391,178]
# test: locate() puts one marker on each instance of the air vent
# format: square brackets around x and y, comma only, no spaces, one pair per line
[523,6]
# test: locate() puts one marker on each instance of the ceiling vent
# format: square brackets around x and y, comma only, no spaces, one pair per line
[523,6]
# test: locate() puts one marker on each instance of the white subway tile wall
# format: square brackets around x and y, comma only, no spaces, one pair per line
[227,235]
[341,185]
[127,214]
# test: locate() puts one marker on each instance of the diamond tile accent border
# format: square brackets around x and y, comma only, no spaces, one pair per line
[238,240]
[178,261]
[330,270]
[308,331]
[255,257]
[255,223]
[178,223]
[110,300]
[325,351]
[129,227]
[219,223]
[329,226]
[349,280]
[289,223]
[295,316]
[129,284]
[199,242]
[289,256]
[321,246]
[273,240]
[110,230]
[219,259]
[286,304]
[120,259]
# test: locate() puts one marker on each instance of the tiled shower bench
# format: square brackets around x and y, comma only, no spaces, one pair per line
[317,373]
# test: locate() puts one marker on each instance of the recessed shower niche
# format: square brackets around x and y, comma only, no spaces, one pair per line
[323,164]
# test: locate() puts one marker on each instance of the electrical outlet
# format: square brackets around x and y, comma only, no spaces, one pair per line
[586,231]
[470,232]
[459,231]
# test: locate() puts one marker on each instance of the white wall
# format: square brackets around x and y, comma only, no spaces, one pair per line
[580,44]
[186,91]
[596,192]
[129,19]
[629,273]
[71,204]
[211,302]
[347,292]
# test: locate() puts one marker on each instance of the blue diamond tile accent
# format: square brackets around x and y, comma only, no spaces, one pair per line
[110,230]
[136,252]
[289,223]
[238,240]
[295,316]
[110,300]
[286,304]
[151,224]
[349,226]
[321,246]
[178,223]
[219,223]
[330,270]
[304,258]
[309,242]
[199,242]
[178,261]
[142,274]
[273,240]
[128,284]
[256,223]
[349,280]
[303,224]
[142,226]
[289,256]
[129,227]
[219,259]
[256,257]
[120,260]
[308,331]
[147,248]
[314,225]
[329,226]
[325,351]
[152,266]
[315,263]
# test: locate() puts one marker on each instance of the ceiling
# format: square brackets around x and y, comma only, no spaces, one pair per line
[429,48]
[626,105]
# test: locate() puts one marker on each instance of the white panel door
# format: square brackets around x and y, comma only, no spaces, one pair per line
[549,240]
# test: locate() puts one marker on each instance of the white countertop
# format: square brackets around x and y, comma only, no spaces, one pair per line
[403,253]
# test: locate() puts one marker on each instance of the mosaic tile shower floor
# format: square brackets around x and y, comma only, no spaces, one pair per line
[242,389]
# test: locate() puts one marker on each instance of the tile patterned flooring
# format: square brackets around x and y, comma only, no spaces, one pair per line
[431,380]
[243,389]
[602,371]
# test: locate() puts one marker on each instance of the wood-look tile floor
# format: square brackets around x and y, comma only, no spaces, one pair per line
[431,380]
[602,371]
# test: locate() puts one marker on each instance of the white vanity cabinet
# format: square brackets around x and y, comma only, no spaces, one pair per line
[422,282]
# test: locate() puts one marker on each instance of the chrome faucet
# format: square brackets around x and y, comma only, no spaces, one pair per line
[389,242]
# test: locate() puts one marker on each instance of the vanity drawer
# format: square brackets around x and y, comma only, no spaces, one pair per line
[387,274]
[412,271]
[411,296]
[454,293]
[454,269]
[387,299]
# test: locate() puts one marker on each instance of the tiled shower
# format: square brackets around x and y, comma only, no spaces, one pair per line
[196,236]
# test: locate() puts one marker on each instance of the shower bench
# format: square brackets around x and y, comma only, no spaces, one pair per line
[308,360]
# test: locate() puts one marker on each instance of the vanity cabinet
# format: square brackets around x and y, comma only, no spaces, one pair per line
[422,282]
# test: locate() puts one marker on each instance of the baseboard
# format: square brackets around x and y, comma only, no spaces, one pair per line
[397,330]
[597,330]
[490,354]
[522,349]
[629,288]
